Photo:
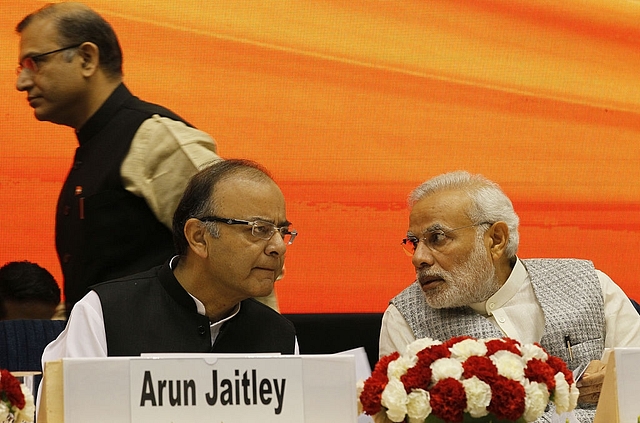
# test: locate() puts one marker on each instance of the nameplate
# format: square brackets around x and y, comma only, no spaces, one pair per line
[200,388]
[618,401]
[233,389]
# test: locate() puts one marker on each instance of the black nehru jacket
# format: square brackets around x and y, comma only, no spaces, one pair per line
[150,312]
[103,231]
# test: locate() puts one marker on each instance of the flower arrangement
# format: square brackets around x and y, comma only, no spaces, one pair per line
[16,401]
[466,379]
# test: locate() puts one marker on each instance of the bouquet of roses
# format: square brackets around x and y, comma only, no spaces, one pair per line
[467,379]
[16,401]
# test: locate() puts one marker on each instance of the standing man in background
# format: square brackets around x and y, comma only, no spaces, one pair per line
[134,158]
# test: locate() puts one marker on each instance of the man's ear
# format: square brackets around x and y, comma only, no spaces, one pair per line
[498,236]
[195,231]
[89,58]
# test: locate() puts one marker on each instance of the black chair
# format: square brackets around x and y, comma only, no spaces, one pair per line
[331,333]
[22,343]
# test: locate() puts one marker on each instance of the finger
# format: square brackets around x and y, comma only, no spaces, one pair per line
[591,398]
[590,389]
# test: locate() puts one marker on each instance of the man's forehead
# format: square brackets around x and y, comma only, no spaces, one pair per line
[440,210]
[39,36]
[254,198]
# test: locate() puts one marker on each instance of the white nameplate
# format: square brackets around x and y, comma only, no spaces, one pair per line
[234,390]
[618,401]
[316,389]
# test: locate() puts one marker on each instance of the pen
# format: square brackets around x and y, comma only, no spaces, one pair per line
[567,341]
[78,193]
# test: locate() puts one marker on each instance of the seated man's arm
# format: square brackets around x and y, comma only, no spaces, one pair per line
[622,319]
[84,335]
[395,333]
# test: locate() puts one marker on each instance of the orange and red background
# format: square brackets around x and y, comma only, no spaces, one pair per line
[351,104]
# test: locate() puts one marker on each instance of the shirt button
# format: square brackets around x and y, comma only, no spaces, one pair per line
[66,258]
[201,330]
[502,320]
[66,210]
[77,164]
[492,306]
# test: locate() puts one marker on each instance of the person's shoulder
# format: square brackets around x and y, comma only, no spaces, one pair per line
[149,109]
[557,263]
[132,280]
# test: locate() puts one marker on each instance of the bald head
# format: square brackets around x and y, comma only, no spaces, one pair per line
[199,197]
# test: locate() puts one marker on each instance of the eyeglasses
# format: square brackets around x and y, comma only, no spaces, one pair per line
[436,239]
[259,228]
[32,62]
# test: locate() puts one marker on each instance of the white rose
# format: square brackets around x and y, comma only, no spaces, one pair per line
[381,417]
[359,389]
[478,396]
[561,396]
[398,367]
[394,399]
[530,351]
[509,365]
[535,400]
[465,349]
[419,345]
[28,413]
[574,393]
[4,411]
[418,407]
[443,368]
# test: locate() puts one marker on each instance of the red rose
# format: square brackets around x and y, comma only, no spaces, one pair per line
[10,389]
[448,400]
[434,353]
[507,399]
[418,376]
[541,372]
[371,394]
[506,344]
[560,366]
[480,367]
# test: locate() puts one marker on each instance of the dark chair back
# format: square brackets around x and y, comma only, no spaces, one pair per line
[22,343]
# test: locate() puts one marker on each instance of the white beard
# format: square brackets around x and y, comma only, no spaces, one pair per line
[471,281]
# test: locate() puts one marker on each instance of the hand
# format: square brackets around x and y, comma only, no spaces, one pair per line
[591,383]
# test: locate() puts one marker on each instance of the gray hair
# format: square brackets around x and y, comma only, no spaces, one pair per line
[489,202]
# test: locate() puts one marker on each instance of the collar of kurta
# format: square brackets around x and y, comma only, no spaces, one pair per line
[104,114]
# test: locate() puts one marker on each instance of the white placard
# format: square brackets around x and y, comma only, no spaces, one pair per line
[618,401]
[99,390]
[234,390]
[628,375]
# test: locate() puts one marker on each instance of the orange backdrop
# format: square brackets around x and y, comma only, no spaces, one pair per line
[353,103]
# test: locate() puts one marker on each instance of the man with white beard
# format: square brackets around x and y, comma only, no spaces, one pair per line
[463,239]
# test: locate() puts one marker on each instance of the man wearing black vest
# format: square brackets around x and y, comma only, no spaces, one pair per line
[231,233]
[134,158]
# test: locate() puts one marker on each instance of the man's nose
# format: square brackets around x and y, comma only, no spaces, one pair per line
[276,245]
[24,80]
[423,256]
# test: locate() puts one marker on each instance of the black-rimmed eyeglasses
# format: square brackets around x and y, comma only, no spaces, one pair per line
[259,228]
[31,62]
